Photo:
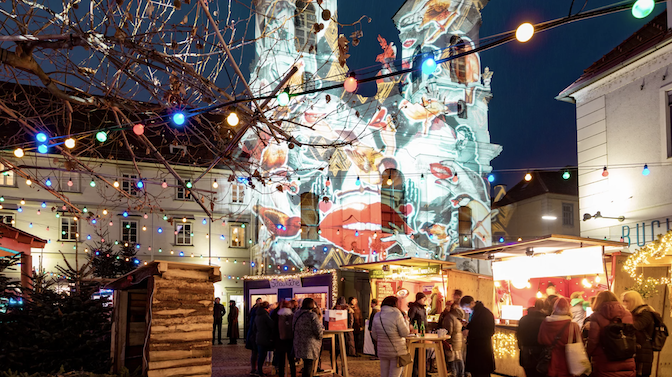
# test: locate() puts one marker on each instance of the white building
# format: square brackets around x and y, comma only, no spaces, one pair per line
[623,104]
[181,232]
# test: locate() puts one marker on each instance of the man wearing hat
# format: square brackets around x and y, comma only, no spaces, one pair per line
[417,315]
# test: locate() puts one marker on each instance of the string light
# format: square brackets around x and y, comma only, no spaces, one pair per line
[491,178]
[104,211]
[92,183]
[23,202]
[29,182]
[566,175]
[358,182]
[43,148]
[334,278]
[528,177]
[70,183]
[215,184]
[283,98]
[47,182]
[655,250]
[428,66]
[232,119]
[101,136]
[115,184]
[70,143]
[179,118]
[18,152]
[164,184]
[139,129]
[646,170]
[350,84]
[41,137]
[189,184]
[524,32]
[605,172]
[643,8]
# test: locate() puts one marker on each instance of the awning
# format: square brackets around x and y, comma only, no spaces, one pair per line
[402,262]
[548,244]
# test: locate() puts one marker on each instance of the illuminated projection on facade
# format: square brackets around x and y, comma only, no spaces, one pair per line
[402,172]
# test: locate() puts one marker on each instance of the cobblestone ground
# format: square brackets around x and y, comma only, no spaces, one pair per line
[234,361]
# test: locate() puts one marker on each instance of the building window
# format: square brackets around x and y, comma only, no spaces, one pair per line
[183,234]
[310,218]
[70,181]
[308,81]
[392,200]
[128,183]
[464,226]
[183,193]
[237,193]
[7,219]
[568,214]
[7,177]
[669,124]
[237,235]
[129,231]
[68,229]
[304,19]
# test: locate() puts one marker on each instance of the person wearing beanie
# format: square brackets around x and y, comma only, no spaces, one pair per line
[578,307]
[417,315]
[558,323]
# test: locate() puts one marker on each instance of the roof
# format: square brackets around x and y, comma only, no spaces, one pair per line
[542,182]
[158,267]
[404,262]
[642,42]
[547,244]
[8,231]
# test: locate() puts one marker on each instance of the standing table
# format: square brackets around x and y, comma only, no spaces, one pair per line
[429,341]
[332,334]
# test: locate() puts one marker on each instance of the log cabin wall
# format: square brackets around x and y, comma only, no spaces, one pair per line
[181,324]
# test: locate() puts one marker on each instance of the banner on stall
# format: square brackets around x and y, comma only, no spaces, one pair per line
[572,262]
[395,272]
[290,282]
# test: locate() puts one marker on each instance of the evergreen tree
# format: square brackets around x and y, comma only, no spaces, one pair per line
[109,260]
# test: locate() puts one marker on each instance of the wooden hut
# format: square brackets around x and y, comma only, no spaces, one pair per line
[162,319]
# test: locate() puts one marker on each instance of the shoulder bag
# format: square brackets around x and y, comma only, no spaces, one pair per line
[577,360]
[402,360]
[545,357]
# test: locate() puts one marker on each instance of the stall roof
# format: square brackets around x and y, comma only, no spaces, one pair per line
[404,262]
[158,267]
[545,244]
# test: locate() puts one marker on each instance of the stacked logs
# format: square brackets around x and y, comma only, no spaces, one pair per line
[181,324]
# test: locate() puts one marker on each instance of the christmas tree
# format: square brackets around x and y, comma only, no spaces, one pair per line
[109,260]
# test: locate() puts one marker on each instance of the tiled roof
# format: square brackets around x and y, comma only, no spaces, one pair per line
[642,41]
[542,182]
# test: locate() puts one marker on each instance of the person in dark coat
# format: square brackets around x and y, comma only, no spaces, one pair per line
[357,325]
[607,308]
[217,316]
[308,332]
[265,328]
[284,347]
[643,320]
[528,331]
[374,309]
[417,315]
[559,322]
[251,336]
[232,318]
[480,360]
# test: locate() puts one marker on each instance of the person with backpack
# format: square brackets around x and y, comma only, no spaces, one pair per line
[284,347]
[528,338]
[554,333]
[643,318]
[611,340]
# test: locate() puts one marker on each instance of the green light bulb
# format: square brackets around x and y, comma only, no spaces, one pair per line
[283,98]
[189,185]
[643,8]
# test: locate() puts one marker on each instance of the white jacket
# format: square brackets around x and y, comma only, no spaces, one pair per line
[392,344]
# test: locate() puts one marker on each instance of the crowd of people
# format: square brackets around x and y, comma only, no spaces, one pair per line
[553,322]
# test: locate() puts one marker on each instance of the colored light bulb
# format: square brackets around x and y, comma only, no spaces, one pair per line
[179,118]
[139,129]
[428,66]
[646,170]
[350,84]
[41,137]
[101,136]
[283,98]
[232,119]
[643,8]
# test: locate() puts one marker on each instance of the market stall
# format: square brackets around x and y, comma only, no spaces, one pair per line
[436,279]
[567,266]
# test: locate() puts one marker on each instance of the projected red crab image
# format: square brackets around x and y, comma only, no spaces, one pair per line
[357,227]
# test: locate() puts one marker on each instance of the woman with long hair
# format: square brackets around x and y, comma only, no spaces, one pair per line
[559,324]
[643,320]
[388,330]
[607,309]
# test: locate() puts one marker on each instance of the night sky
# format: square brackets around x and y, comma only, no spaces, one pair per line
[535,130]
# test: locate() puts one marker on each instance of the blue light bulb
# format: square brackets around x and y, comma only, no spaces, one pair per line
[501,239]
[491,178]
[222,237]
[358,182]
[48,182]
[646,170]
[43,148]
[181,253]
[160,230]
[140,184]
[20,209]
[179,118]
[41,137]
[88,237]
[137,261]
[428,66]
[44,204]
[204,221]
[125,214]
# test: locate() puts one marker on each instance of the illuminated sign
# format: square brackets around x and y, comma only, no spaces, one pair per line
[404,272]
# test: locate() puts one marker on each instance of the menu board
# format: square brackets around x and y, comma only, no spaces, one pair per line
[384,289]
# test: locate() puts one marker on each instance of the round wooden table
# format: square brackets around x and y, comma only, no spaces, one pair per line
[332,334]
[422,343]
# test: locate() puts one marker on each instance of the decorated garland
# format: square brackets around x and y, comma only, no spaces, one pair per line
[655,250]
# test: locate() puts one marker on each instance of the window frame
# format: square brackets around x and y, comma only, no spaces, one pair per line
[568,220]
[239,190]
[70,237]
[184,242]
[124,232]
[309,231]
[242,243]
[460,221]
[4,177]
[303,27]
[128,183]
[182,191]
[76,178]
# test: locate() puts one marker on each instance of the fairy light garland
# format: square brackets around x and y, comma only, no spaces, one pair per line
[505,344]
[655,250]
[334,279]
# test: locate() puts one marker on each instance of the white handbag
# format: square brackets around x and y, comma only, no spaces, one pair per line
[577,359]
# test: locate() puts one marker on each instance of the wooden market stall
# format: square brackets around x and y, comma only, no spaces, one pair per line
[162,319]
[531,269]
[437,279]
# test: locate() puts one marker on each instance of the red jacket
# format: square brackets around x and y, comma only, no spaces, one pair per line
[602,366]
[549,329]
